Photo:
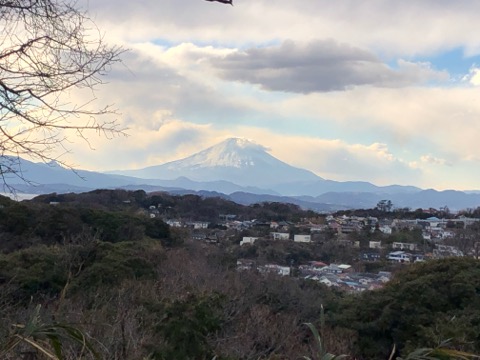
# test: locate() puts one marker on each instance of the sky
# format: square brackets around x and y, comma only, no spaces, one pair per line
[384,91]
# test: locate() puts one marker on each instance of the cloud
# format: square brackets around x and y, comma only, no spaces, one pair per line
[429,159]
[144,147]
[391,27]
[155,84]
[436,120]
[318,66]
[473,77]
[343,161]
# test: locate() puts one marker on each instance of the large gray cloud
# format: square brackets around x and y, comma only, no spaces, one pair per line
[148,91]
[318,66]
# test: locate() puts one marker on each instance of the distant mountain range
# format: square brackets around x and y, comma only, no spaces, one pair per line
[244,172]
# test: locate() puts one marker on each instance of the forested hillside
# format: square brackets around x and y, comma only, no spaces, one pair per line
[94,276]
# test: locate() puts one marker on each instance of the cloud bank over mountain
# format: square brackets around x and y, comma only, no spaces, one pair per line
[382,92]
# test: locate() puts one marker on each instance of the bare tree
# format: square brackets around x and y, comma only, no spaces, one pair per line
[48,48]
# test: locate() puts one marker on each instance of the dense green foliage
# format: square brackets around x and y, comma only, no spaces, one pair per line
[138,289]
[424,305]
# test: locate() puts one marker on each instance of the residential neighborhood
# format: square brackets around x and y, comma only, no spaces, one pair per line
[355,241]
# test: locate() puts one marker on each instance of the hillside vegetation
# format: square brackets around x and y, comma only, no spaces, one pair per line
[93,276]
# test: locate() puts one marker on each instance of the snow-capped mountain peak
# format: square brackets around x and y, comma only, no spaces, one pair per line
[234,152]
[237,160]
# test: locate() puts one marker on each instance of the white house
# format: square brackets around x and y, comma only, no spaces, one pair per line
[375,244]
[302,238]
[280,236]
[248,240]
[276,269]
[345,267]
[174,223]
[200,225]
[399,256]
[404,246]
[386,229]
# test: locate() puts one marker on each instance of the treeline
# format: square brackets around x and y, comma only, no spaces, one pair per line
[181,206]
[129,287]
[47,222]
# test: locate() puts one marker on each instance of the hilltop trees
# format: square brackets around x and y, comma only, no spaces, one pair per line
[385,205]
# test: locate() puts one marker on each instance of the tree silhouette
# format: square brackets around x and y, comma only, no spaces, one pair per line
[48,48]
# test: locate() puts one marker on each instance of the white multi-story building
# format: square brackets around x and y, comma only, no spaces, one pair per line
[302,238]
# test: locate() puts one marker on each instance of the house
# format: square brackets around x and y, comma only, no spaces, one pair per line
[199,225]
[237,225]
[345,267]
[280,236]
[245,264]
[248,240]
[329,281]
[399,256]
[375,244]
[418,258]
[317,264]
[302,238]
[174,223]
[443,251]
[318,228]
[406,224]
[332,269]
[404,246]
[370,256]
[386,229]
[434,221]
[275,269]
[445,234]
[332,224]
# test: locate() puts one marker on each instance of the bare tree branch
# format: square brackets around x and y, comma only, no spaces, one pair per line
[223,1]
[49,48]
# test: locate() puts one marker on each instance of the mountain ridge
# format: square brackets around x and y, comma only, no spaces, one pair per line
[244,172]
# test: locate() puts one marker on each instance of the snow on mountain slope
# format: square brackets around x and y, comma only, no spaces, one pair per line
[240,161]
[234,152]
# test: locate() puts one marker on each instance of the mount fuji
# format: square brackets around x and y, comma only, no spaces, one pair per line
[240,170]
[236,160]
